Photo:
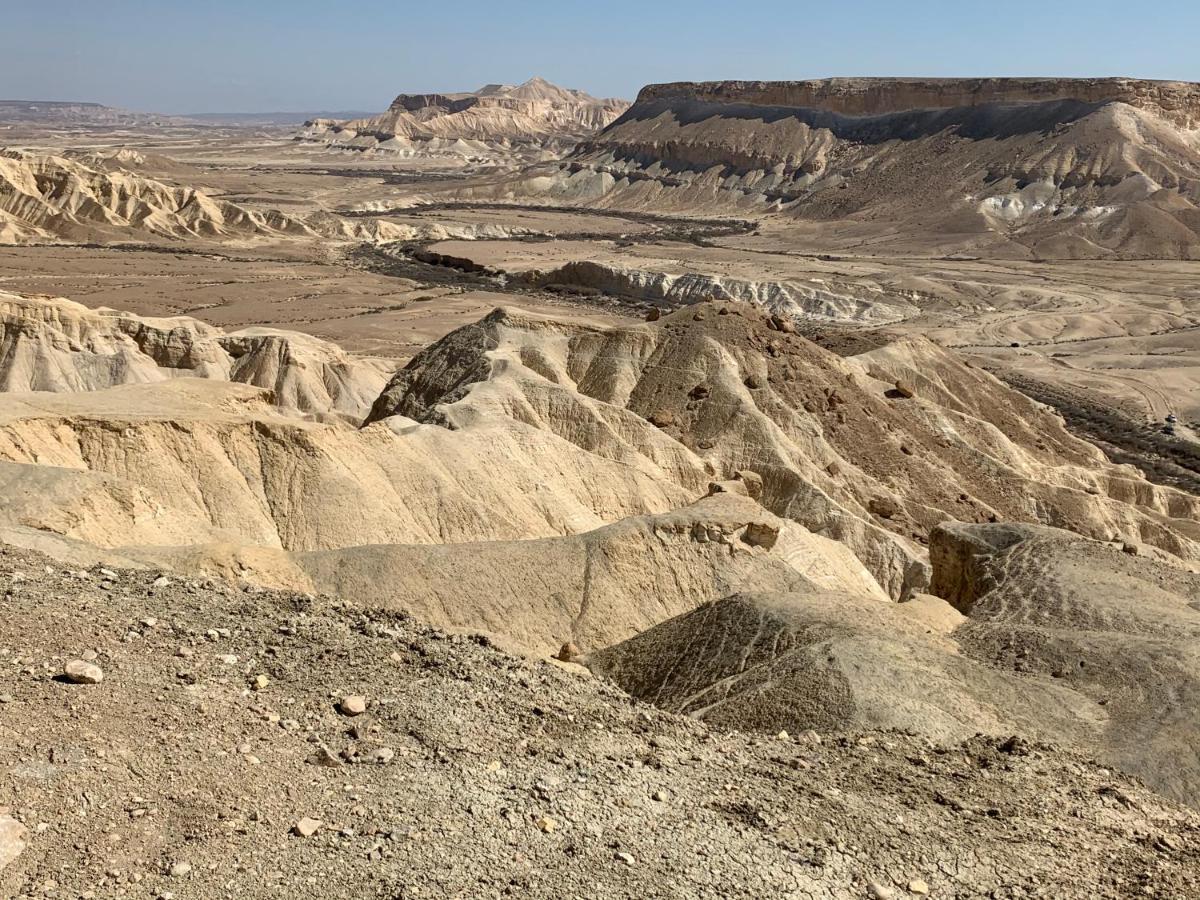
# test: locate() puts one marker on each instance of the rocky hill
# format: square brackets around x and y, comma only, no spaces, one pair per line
[50,344]
[73,113]
[47,197]
[1027,630]
[844,570]
[536,114]
[1021,167]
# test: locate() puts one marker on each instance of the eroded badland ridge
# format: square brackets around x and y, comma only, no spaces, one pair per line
[523,493]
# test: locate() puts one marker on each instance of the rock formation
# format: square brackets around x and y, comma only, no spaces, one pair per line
[56,345]
[534,115]
[1032,632]
[46,197]
[1049,167]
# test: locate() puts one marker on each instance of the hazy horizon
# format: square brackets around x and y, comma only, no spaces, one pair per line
[303,56]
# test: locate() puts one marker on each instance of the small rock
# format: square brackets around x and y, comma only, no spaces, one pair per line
[383,756]
[89,655]
[654,315]
[884,507]
[625,858]
[261,682]
[324,757]
[1168,842]
[782,323]
[79,671]
[905,389]
[659,796]
[1016,745]
[352,705]
[12,840]
[879,891]
[918,886]
[783,736]
[663,418]
[161,581]
[568,652]
[306,827]
[753,482]
[546,824]
[179,869]
[753,382]
[185,652]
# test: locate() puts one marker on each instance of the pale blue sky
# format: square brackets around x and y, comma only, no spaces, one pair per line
[241,55]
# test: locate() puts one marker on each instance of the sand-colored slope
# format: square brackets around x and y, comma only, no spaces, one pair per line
[591,589]
[56,345]
[221,453]
[704,393]
[45,197]
[522,427]
[1055,636]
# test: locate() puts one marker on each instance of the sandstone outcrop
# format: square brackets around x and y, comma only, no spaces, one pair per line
[50,344]
[1050,646]
[536,114]
[45,197]
[1013,167]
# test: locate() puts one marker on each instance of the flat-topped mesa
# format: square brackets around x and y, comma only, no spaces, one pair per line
[448,102]
[1177,101]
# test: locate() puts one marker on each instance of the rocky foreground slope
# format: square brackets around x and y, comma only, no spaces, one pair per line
[1042,167]
[727,519]
[275,744]
[1027,629]
[534,115]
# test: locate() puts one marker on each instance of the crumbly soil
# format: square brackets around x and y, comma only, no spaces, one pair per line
[506,777]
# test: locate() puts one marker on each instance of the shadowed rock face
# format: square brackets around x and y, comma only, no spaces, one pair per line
[1074,168]
[1178,101]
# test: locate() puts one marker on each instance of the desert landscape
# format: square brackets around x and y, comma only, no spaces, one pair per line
[756,488]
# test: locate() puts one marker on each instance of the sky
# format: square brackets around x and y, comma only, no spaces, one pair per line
[192,56]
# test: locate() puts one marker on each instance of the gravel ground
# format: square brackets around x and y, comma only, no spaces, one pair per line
[218,728]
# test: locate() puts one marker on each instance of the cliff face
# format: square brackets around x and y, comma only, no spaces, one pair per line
[1026,167]
[1177,101]
[534,113]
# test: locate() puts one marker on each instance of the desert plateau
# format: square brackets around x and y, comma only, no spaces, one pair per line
[777,488]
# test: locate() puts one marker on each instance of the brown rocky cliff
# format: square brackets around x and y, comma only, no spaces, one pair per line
[1178,101]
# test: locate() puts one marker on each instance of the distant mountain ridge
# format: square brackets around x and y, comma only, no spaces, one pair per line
[1037,167]
[533,113]
[72,112]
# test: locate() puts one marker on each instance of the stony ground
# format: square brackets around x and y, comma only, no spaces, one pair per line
[221,725]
